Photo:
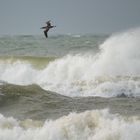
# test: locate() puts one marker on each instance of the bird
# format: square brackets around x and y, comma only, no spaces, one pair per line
[47,28]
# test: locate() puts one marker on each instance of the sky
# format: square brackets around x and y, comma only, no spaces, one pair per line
[70,16]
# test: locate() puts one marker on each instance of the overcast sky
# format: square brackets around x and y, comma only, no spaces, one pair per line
[70,16]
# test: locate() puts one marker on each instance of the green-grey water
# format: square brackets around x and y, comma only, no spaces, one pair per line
[32,102]
[70,87]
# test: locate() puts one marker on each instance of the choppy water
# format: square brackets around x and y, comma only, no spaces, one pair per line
[70,87]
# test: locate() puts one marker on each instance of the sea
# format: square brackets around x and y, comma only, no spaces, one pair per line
[70,87]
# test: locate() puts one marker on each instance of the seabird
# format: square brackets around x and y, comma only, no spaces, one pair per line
[47,28]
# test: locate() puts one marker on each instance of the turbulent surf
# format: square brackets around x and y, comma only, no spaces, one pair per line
[70,87]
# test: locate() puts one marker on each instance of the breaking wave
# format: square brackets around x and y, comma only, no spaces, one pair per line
[115,70]
[95,124]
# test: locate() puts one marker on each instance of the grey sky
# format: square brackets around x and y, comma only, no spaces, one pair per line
[70,16]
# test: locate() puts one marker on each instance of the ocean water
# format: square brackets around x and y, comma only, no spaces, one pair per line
[70,87]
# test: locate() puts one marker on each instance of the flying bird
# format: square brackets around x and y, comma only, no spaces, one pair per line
[47,28]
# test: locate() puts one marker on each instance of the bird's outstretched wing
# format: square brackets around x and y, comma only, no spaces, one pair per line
[43,27]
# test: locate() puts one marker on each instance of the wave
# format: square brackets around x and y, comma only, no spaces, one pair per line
[114,71]
[33,102]
[95,124]
[37,62]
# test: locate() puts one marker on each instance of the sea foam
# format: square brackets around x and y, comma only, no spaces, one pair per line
[89,125]
[113,71]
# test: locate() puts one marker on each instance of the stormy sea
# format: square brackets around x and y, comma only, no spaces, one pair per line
[70,87]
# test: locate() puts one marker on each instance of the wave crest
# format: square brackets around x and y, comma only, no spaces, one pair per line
[113,71]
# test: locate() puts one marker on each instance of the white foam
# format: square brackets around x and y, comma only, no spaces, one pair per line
[120,54]
[98,75]
[17,73]
[113,71]
[89,125]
